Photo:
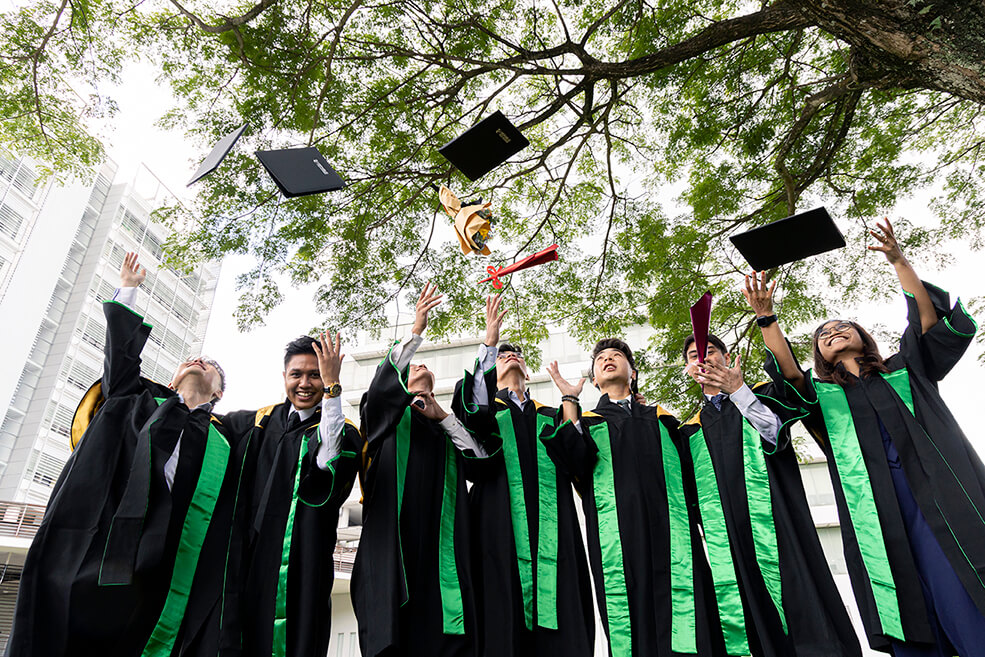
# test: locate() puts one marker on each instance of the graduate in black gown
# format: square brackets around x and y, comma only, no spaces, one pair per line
[129,559]
[910,488]
[652,587]
[411,582]
[755,518]
[531,574]
[305,458]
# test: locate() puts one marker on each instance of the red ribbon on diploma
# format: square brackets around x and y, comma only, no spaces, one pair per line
[547,255]
[700,321]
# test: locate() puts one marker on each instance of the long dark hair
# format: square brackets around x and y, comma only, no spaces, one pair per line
[870,362]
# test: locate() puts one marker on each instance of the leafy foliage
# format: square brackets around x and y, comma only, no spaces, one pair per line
[656,129]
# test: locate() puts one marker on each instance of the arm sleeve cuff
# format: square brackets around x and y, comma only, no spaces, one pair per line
[330,431]
[462,439]
[759,416]
[125,295]
[402,354]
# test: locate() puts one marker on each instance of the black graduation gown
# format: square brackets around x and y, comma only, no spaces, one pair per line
[943,470]
[121,564]
[540,604]
[411,582]
[652,585]
[292,528]
[759,534]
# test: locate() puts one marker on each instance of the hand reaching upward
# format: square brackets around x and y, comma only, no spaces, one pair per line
[427,300]
[131,273]
[494,319]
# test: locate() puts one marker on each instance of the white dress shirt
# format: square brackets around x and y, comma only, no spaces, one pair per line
[762,418]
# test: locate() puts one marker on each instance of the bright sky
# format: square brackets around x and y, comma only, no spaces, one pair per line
[253,361]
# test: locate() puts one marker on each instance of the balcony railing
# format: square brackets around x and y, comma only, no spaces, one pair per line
[18,520]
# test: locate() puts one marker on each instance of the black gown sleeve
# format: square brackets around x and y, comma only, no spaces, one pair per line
[318,487]
[480,421]
[384,404]
[126,334]
[938,350]
[788,413]
[572,450]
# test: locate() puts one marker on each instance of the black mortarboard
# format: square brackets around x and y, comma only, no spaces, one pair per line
[300,171]
[484,146]
[217,155]
[788,240]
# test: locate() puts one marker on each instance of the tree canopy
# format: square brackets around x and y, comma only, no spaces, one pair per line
[657,130]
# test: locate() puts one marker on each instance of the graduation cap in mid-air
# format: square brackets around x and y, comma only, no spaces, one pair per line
[546,255]
[300,171]
[701,323]
[217,155]
[788,240]
[484,146]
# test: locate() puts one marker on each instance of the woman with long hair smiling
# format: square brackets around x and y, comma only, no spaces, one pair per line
[910,488]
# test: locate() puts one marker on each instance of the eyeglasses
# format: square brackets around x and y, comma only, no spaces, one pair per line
[840,327]
[506,354]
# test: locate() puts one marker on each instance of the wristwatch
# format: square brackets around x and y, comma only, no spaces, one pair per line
[333,390]
[765,321]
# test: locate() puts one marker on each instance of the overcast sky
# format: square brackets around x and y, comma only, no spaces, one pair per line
[255,380]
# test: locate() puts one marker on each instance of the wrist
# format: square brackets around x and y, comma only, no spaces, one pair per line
[765,320]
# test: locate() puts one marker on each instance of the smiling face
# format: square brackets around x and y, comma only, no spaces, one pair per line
[201,374]
[611,366]
[838,339]
[712,355]
[420,379]
[302,381]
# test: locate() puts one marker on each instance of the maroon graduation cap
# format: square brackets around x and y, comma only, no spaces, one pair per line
[700,321]
[539,258]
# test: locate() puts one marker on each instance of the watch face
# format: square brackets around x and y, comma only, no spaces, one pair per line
[334,390]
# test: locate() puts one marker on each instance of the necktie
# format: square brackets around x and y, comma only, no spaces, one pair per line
[624,405]
[717,400]
[293,420]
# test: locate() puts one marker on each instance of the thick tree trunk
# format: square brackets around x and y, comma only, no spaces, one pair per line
[930,44]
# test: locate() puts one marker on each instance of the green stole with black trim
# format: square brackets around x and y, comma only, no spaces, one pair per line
[683,621]
[547,524]
[718,542]
[452,607]
[193,531]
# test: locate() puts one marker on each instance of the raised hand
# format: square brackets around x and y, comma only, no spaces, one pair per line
[329,357]
[887,242]
[131,273]
[566,388]
[727,379]
[427,300]
[494,319]
[758,295]
[427,405]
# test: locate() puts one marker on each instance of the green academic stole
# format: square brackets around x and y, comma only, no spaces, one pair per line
[719,549]
[279,647]
[860,499]
[613,571]
[193,530]
[763,526]
[452,607]
[547,536]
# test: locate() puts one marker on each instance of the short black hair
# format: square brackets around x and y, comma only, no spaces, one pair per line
[712,339]
[507,347]
[300,346]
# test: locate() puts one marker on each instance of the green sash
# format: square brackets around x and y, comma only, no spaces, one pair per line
[193,531]
[860,500]
[547,540]
[719,549]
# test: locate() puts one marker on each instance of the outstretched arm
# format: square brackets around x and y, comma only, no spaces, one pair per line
[402,353]
[126,333]
[758,292]
[908,278]
[569,393]
[330,357]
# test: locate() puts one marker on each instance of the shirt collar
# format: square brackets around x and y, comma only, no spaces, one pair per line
[304,413]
